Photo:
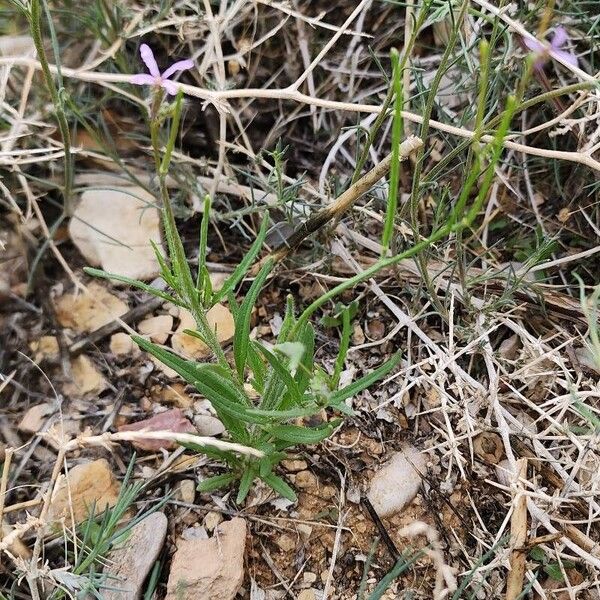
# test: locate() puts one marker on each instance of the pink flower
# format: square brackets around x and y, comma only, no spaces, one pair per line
[543,50]
[155,77]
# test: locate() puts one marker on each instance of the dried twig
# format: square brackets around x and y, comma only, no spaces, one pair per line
[518,532]
[340,205]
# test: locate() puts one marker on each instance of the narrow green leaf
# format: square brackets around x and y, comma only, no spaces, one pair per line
[214,483]
[364,382]
[289,320]
[306,336]
[258,368]
[343,350]
[301,435]
[246,480]
[280,486]
[241,338]
[284,415]
[282,371]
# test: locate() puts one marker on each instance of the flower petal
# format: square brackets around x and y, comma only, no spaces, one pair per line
[148,58]
[142,79]
[170,86]
[181,65]
[533,44]
[564,56]
[560,38]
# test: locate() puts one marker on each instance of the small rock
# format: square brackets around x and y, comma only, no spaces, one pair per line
[286,542]
[305,480]
[358,335]
[85,313]
[35,417]
[158,329]
[46,348]
[293,465]
[308,594]
[309,577]
[219,319]
[113,229]
[171,420]
[129,564]
[89,484]
[209,569]
[86,378]
[121,344]
[186,491]
[208,426]
[304,531]
[212,519]
[167,371]
[397,483]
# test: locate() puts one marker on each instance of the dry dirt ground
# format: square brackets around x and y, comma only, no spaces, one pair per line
[498,385]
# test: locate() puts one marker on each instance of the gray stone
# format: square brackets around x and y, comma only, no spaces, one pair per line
[129,564]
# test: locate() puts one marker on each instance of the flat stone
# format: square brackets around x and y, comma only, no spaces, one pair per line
[158,328]
[88,484]
[209,569]
[171,420]
[128,565]
[121,344]
[113,227]
[35,417]
[396,484]
[86,378]
[85,313]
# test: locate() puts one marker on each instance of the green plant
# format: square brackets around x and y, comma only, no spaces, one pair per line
[289,384]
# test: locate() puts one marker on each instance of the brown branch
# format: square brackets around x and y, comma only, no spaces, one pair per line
[340,205]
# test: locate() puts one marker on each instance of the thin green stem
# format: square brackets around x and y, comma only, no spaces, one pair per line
[392,204]
[35,27]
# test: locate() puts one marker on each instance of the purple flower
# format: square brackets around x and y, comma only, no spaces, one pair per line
[155,77]
[543,50]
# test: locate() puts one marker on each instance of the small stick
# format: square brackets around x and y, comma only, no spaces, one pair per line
[385,536]
[518,534]
[340,205]
[3,484]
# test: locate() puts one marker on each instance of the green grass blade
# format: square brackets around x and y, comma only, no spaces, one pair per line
[241,338]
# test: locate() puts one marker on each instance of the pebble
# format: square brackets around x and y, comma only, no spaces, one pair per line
[212,519]
[286,542]
[89,484]
[396,484]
